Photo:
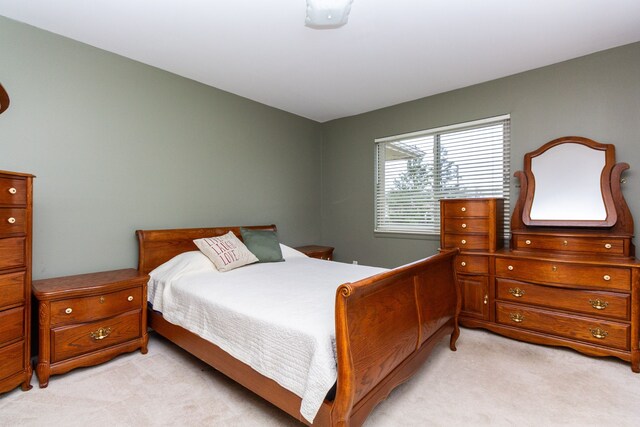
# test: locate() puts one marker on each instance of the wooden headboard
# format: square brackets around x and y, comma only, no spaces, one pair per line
[158,246]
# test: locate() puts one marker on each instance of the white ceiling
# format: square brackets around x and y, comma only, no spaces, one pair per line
[388,53]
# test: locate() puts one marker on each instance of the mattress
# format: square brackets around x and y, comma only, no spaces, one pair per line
[276,317]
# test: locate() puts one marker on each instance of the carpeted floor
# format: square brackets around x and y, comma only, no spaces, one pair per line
[489,381]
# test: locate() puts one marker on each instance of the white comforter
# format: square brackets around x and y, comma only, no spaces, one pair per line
[276,317]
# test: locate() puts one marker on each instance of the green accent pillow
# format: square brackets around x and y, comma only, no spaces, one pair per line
[263,244]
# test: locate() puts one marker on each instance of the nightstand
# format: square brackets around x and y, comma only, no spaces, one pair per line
[315,251]
[88,319]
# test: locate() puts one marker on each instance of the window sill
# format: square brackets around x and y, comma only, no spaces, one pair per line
[412,236]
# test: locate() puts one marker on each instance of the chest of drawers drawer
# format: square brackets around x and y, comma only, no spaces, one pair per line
[472,264]
[467,242]
[89,308]
[13,221]
[11,359]
[12,325]
[12,288]
[595,331]
[12,252]
[466,225]
[13,191]
[465,208]
[593,303]
[611,246]
[75,340]
[567,274]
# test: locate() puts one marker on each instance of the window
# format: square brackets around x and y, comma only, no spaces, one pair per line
[414,171]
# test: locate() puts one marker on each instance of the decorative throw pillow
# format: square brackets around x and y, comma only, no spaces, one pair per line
[226,252]
[263,244]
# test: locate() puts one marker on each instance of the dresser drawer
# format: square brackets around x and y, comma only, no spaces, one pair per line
[11,359]
[466,225]
[86,309]
[11,324]
[472,264]
[12,252]
[13,191]
[594,303]
[571,275]
[570,244]
[465,208]
[467,242]
[596,331]
[12,288]
[13,220]
[71,341]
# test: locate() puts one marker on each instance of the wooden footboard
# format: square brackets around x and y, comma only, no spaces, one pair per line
[386,326]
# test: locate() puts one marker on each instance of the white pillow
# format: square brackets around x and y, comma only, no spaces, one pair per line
[289,253]
[226,252]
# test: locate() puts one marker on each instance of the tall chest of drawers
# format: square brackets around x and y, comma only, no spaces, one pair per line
[15,279]
[474,226]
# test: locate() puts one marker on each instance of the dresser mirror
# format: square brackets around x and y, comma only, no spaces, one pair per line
[569,184]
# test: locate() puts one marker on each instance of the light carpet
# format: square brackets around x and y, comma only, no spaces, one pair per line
[489,381]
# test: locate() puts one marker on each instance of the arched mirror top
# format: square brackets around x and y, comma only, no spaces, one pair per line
[569,184]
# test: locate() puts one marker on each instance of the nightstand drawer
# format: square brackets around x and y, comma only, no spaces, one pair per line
[12,322]
[13,191]
[86,309]
[71,341]
[12,288]
[13,220]
[12,252]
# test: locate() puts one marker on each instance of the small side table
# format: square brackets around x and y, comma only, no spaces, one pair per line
[87,319]
[316,251]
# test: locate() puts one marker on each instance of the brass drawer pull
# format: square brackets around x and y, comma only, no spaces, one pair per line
[464,225]
[599,333]
[517,292]
[528,242]
[13,190]
[11,220]
[598,304]
[100,334]
[517,317]
[607,245]
[485,300]
[130,298]
[463,209]
[69,310]
[510,268]
[606,277]
[554,268]
[463,241]
[565,243]
[464,264]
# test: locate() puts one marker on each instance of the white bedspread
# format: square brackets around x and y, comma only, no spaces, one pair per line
[276,317]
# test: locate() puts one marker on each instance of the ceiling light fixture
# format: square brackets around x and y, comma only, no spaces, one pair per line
[327,13]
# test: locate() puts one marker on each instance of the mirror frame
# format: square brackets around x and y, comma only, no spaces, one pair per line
[605,185]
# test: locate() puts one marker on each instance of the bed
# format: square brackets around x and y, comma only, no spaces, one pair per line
[385,327]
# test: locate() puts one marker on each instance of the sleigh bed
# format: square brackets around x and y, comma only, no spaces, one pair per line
[385,327]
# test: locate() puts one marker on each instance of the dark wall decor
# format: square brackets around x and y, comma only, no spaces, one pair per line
[4,99]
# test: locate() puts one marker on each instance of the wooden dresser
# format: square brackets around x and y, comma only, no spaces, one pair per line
[474,226]
[88,319]
[564,281]
[15,279]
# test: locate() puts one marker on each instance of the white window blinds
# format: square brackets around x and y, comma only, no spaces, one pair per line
[414,171]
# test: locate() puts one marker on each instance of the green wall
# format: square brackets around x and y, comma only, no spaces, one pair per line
[596,96]
[117,146]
